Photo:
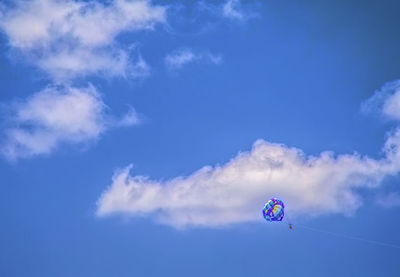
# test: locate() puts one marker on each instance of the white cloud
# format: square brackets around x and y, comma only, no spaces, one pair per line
[129,119]
[236,191]
[388,200]
[231,9]
[57,115]
[385,101]
[71,38]
[179,58]
[391,106]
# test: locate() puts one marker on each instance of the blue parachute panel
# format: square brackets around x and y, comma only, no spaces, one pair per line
[274,210]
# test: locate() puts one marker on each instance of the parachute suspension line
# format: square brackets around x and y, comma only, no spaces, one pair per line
[288,221]
[274,211]
[384,244]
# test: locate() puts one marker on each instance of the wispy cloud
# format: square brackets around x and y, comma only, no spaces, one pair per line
[129,119]
[235,192]
[389,200]
[232,9]
[57,115]
[69,39]
[179,58]
[385,102]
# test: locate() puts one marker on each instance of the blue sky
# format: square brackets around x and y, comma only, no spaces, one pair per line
[142,138]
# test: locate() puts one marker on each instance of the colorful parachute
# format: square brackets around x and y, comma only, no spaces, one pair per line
[274,210]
